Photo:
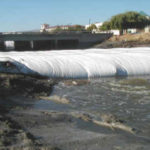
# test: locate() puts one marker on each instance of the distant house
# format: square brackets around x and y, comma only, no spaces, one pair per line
[44,27]
[98,24]
[48,28]
[114,32]
[147,29]
[132,30]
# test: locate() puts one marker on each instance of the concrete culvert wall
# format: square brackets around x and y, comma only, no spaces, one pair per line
[43,45]
[67,44]
[22,45]
[2,46]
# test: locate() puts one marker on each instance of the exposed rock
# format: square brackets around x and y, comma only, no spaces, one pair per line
[56,99]
[109,118]
[76,82]
[25,85]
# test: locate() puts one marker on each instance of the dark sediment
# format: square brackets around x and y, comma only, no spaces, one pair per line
[24,85]
[14,91]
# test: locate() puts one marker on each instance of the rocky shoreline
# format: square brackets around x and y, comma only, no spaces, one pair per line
[24,85]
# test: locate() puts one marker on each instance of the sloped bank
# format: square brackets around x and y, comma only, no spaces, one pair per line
[24,85]
[126,41]
[122,44]
[15,91]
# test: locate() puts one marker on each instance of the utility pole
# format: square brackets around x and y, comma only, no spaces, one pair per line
[90,21]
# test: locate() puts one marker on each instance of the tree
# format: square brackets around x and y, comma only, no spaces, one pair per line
[58,29]
[106,26]
[91,27]
[76,28]
[126,20]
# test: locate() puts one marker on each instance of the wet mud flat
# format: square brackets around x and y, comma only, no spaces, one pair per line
[26,123]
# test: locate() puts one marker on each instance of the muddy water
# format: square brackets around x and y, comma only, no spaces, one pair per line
[126,98]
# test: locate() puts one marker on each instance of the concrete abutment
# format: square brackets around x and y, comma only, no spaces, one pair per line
[22,45]
[2,46]
[43,44]
[67,44]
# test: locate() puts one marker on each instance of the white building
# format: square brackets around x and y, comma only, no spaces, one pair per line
[132,31]
[44,27]
[97,24]
[48,28]
[115,32]
[147,29]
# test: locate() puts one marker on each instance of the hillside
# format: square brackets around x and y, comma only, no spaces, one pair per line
[128,40]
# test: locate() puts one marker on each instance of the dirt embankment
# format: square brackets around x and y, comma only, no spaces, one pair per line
[126,41]
[24,85]
[15,90]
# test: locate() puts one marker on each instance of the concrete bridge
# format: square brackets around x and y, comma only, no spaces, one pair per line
[46,41]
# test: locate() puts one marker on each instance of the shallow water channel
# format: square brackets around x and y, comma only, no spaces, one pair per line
[126,98]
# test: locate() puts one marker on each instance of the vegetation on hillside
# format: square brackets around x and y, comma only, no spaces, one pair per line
[126,20]
[76,28]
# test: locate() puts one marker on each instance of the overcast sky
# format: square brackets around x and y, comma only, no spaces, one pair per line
[18,15]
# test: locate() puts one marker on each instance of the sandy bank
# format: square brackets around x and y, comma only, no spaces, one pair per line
[126,41]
